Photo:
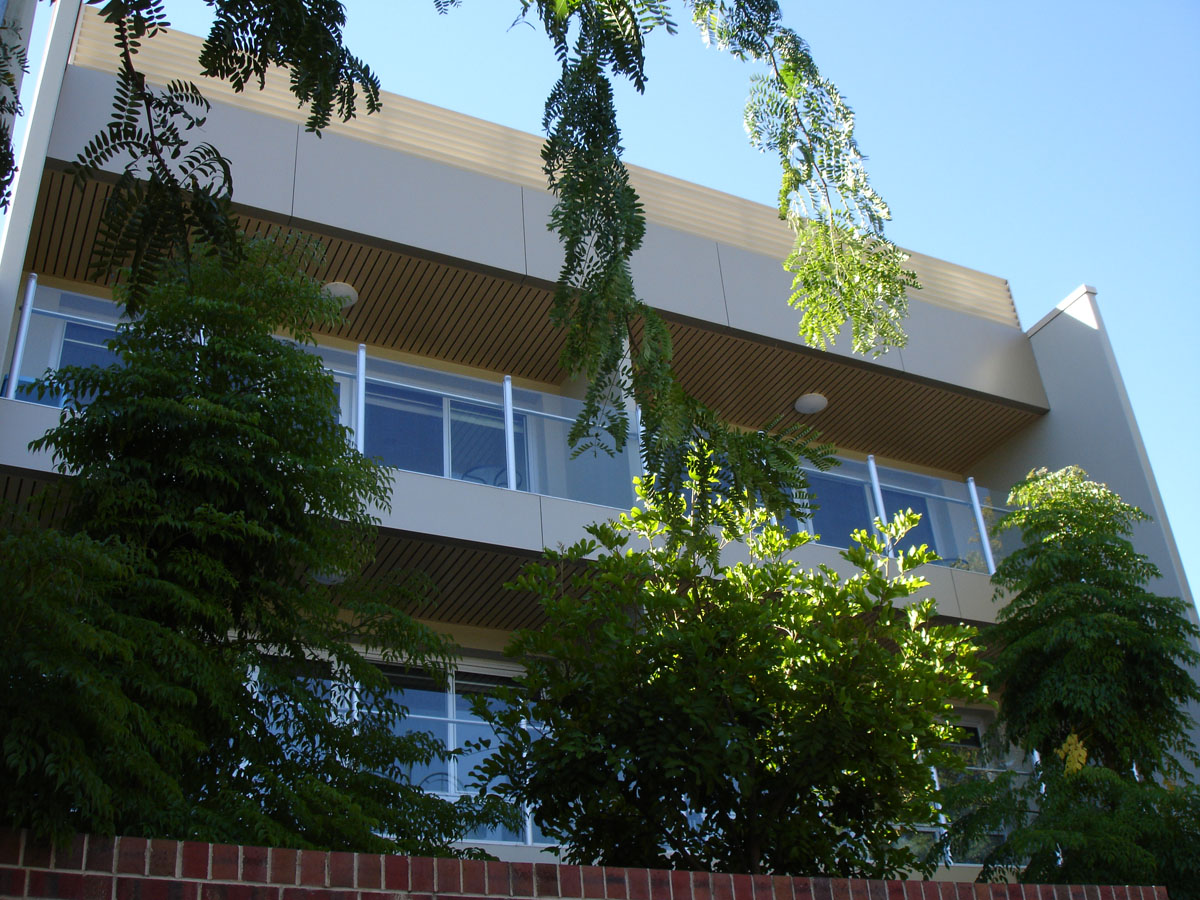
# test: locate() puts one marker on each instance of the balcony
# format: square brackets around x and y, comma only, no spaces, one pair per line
[491,433]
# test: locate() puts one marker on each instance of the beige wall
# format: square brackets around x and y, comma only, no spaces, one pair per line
[413,201]
[1091,424]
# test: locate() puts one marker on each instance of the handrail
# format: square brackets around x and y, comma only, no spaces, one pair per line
[954,531]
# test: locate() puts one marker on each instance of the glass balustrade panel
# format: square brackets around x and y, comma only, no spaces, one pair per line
[65,329]
[947,524]
[593,476]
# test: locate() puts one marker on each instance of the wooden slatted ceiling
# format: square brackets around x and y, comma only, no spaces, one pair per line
[468,581]
[406,303]
[870,410]
[484,320]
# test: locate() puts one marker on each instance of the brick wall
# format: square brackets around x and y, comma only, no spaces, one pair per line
[95,868]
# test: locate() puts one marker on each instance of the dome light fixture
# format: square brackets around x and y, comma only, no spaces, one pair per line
[808,404]
[342,291]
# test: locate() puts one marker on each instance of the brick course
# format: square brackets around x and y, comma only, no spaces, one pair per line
[129,868]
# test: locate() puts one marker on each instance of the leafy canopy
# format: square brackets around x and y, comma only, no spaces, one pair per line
[1092,667]
[171,665]
[747,717]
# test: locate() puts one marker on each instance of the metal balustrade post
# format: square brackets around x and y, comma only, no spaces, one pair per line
[360,400]
[984,540]
[877,493]
[639,434]
[22,334]
[510,437]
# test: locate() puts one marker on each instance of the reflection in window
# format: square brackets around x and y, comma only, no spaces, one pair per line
[446,713]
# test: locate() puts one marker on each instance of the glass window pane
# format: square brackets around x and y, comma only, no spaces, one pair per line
[478,452]
[469,686]
[897,501]
[434,775]
[843,505]
[420,694]
[404,428]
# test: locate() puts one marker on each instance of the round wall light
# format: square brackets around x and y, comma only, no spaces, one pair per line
[343,292]
[811,403]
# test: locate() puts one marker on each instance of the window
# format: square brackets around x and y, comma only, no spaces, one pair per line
[446,712]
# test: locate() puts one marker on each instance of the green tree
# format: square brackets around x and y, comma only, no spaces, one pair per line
[1092,670]
[745,717]
[171,666]
[845,270]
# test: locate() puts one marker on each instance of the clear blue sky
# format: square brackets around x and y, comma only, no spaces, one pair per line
[1051,144]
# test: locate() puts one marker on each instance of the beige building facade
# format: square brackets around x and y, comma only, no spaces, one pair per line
[448,367]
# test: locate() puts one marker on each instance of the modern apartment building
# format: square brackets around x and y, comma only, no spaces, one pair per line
[448,366]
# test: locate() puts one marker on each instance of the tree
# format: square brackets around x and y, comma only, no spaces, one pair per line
[172,666]
[844,269]
[12,61]
[747,717]
[1092,669]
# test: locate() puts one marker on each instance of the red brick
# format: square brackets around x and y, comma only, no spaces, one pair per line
[421,874]
[743,887]
[195,859]
[802,888]
[163,855]
[1160,893]
[283,866]
[254,864]
[131,855]
[225,862]
[822,889]
[153,889]
[497,879]
[395,873]
[722,886]
[660,884]
[614,884]
[895,890]
[474,877]
[12,881]
[10,847]
[878,890]
[545,880]
[370,867]
[100,854]
[701,886]
[570,881]
[312,868]
[593,882]
[449,877]
[783,887]
[521,879]
[211,891]
[638,881]
[97,887]
[341,869]
[931,890]
[840,888]
[764,888]
[54,884]
[70,856]
[37,853]
[375,895]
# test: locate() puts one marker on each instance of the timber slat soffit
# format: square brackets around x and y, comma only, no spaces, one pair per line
[420,129]
[486,322]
